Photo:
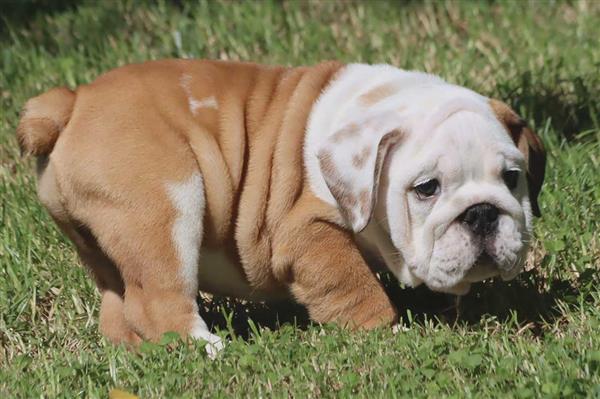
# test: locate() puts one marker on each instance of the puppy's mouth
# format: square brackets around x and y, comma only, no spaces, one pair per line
[501,253]
[486,266]
[483,268]
[485,259]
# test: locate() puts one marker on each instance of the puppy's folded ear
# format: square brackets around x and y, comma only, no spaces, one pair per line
[529,144]
[351,160]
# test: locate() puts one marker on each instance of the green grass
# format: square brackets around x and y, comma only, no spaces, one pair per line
[535,337]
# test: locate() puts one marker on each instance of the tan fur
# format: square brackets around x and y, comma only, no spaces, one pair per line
[377,94]
[359,160]
[113,147]
[346,133]
[529,144]
[43,118]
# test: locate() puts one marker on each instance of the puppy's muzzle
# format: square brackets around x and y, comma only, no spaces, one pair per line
[481,219]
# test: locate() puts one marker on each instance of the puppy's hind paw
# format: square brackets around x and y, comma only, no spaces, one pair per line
[214,343]
[399,328]
[214,346]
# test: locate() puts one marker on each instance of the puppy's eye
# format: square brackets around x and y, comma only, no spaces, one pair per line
[427,189]
[511,178]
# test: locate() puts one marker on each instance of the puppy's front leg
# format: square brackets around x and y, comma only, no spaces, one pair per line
[329,276]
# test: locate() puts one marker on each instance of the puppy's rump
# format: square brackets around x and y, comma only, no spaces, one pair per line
[42,120]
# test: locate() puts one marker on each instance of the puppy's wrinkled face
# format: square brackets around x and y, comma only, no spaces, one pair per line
[437,180]
[457,205]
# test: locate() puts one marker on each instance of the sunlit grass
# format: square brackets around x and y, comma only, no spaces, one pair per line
[535,337]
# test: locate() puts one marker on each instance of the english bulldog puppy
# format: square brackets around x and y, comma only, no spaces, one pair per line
[263,182]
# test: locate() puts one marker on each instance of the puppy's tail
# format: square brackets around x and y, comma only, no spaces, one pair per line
[43,118]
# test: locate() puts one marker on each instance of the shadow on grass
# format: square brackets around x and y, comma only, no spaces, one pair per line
[22,13]
[529,299]
[570,104]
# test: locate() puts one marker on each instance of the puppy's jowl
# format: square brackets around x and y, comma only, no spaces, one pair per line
[262,182]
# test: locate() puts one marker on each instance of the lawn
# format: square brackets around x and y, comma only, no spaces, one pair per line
[538,336]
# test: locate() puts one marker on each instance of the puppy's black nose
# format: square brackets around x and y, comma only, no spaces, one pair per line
[482,219]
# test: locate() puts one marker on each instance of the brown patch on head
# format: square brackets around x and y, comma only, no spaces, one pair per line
[529,144]
[360,159]
[350,131]
[509,118]
[377,94]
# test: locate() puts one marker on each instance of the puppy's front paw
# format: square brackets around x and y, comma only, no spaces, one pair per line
[382,317]
[373,312]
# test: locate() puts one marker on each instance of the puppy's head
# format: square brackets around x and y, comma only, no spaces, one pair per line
[451,187]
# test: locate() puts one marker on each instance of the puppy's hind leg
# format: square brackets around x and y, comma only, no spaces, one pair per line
[112,322]
[159,259]
[152,234]
[188,199]
[108,279]
[163,296]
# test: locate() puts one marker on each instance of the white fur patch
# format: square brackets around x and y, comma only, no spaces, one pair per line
[451,258]
[340,105]
[193,103]
[448,133]
[188,199]
[507,248]
[208,102]
[214,343]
